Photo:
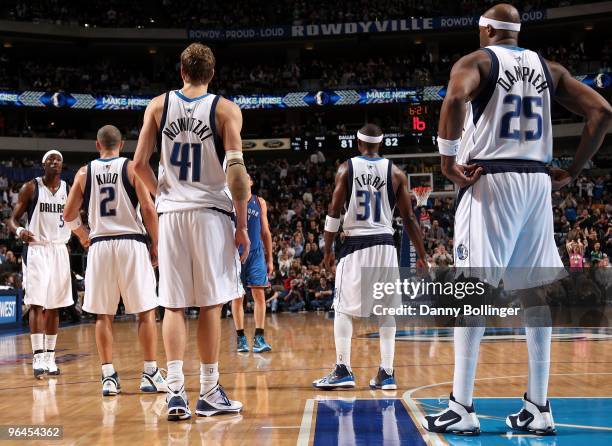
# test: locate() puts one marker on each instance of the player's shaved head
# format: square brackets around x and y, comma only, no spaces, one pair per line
[371,130]
[504,12]
[369,147]
[109,137]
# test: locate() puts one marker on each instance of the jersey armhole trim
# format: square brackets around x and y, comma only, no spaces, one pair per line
[480,102]
[87,191]
[551,86]
[162,122]
[390,192]
[34,201]
[349,183]
[129,188]
[219,149]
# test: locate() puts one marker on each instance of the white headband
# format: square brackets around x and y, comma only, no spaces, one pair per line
[52,152]
[366,138]
[498,24]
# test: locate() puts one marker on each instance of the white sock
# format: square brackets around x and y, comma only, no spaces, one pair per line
[50,341]
[467,345]
[343,331]
[175,378]
[538,346]
[209,377]
[38,342]
[387,348]
[150,367]
[107,370]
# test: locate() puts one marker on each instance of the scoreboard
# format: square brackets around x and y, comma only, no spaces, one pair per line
[349,142]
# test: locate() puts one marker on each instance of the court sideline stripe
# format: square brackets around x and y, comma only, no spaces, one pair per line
[304,435]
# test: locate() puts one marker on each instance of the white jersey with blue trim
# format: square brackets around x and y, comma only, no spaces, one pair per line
[46,214]
[192,157]
[510,118]
[110,199]
[370,196]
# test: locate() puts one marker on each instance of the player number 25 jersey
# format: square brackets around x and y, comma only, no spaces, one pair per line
[510,117]
[192,159]
[371,199]
[110,199]
[46,214]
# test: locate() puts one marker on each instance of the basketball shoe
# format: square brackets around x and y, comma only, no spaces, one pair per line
[532,418]
[457,419]
[260,345]
[178,405]
[153,383]
[111,385]
[51,366]
[243,344]
[383,380]
[340,378]
[215,401]
[39,365]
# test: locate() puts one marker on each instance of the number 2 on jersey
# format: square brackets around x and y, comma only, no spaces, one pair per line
[365,206]
[109,193]
[180,158]
[525,105]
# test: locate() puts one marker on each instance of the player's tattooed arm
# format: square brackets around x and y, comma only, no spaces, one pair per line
[25,197]
[334,210]
[74,203]
[147,139]
[404,205]
[266,235]
[596,111]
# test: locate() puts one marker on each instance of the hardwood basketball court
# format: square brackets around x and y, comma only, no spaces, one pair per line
[280,405]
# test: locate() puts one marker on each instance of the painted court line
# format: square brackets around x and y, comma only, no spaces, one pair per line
[304,435]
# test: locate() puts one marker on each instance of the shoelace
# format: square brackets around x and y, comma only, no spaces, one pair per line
[224,397]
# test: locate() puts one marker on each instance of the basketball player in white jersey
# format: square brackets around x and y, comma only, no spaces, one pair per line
[504,220]
[46,264]
[118,263]
[368,187]
[198,137]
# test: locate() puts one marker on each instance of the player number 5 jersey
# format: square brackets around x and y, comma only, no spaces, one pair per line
[110,199]
[510,117]
[192,162]
[371,199]
[46,214]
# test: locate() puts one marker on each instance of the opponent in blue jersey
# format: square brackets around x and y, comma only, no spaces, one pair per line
[254,274]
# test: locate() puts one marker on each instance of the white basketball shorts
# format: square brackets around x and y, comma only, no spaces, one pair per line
[198,260]
[119,266]
[364,261]
[504,227]
[46,276]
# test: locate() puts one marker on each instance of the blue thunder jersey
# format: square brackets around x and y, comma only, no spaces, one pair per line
[510,118]
[110,199]
[370,196]
[192,157]
[254,223]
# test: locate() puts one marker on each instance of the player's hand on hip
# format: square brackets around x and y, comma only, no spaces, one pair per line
[329,259]
[465,176]
[26,236]
[559,178]
[242,239]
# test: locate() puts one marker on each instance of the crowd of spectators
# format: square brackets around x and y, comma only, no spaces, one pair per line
[297,195]
[242,13]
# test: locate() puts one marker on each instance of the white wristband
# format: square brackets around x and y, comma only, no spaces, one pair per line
[448,147]
[18,231]
[233,155]
[332,224]
[74,224]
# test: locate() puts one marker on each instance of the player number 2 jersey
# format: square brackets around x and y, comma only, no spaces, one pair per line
[111,200]
[46,214]
[510,117]
[192,162]
[371,199]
